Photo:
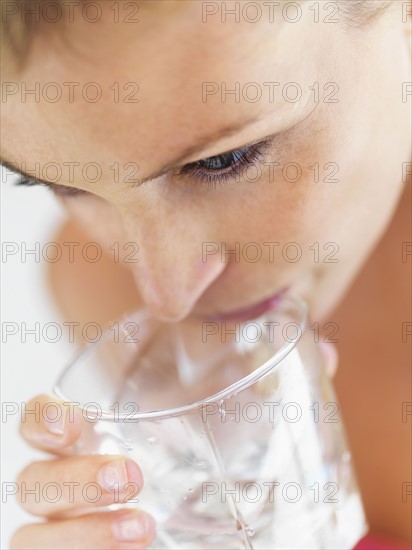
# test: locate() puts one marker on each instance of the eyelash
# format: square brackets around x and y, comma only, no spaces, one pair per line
[239,161]
[59,190]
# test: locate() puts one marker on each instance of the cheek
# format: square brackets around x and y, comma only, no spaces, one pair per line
[97,218]
[285,204]
[292,225]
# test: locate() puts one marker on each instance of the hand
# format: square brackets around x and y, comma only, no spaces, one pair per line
[72,519]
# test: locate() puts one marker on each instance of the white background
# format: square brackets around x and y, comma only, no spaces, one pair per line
[28,215]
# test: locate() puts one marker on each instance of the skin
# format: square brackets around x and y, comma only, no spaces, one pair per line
[171,216]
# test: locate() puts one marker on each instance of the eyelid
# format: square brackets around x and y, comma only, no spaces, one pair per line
[257,142]
[194,165]
[212,178]
[257,148]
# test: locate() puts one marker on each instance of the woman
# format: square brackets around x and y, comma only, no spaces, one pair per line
[163,126]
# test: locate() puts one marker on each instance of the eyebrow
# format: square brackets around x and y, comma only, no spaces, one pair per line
[192,150]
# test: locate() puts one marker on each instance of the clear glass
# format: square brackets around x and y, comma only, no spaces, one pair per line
[235,426]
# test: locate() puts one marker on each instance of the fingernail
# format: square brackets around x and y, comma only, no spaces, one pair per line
[133,527]
[113,476]
[56,425]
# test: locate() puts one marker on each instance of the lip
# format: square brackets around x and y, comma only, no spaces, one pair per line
[252,312]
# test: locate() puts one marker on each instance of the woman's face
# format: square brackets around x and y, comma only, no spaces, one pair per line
[313,113]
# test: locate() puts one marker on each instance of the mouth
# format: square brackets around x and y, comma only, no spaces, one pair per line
[251,312]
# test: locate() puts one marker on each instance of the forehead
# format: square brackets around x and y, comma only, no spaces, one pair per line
[144,85]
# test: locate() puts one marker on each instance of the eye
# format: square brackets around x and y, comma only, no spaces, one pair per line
[225,167]
[59,190]
[224,161]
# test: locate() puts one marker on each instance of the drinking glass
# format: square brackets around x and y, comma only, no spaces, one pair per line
[235,426]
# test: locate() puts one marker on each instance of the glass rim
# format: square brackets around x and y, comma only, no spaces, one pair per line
[181,410]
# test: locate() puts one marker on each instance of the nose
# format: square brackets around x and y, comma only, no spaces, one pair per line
[172,271]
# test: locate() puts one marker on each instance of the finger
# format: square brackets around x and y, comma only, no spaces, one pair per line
[122,529]
[50,425]
[330,356]
[54,487]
